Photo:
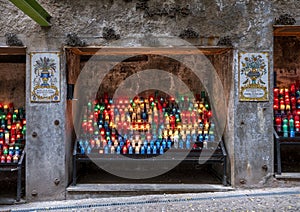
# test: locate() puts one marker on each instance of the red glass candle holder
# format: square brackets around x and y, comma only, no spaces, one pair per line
[276,92]
[297,127]
[286,96]
[293,88]
[278,121]
[286,91]
[293,100]
[3,159]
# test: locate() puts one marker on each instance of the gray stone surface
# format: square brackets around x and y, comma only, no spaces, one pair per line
[46,153]
[12,84]
[249,126]
[271,199]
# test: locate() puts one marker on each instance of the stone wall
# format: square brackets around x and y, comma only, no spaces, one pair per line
[123,70]
[287,60]
[12,84]
[249,23]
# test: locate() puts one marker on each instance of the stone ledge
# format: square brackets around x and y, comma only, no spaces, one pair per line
[147,187]
[288,175]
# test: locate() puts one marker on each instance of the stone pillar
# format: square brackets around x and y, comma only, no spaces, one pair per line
[46,147]
[253,121]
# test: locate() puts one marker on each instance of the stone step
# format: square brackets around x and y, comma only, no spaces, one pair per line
[288,175]
[112,190]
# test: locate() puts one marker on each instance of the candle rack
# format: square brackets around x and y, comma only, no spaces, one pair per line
[286,119]
[144,128]
[12,142]
[195,156]
[15,167]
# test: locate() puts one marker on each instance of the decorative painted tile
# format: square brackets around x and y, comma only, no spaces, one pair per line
[45,77]
[253,76]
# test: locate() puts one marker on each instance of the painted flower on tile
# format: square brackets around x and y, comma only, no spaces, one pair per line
[253,68]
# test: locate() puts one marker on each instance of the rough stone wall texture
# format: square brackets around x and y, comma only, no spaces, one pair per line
[249,125]
[220,62]
[12,84]
[123,70]
[47,155]
[287,60]
[240,19]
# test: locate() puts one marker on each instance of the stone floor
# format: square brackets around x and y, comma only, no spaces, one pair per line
[267,199]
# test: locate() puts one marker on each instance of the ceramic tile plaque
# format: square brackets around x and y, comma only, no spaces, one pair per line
[45,76]
[253,76]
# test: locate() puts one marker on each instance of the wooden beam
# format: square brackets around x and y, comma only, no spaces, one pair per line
[286,30]
[12,51]
[114,51]
[73,67]
[34,10]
